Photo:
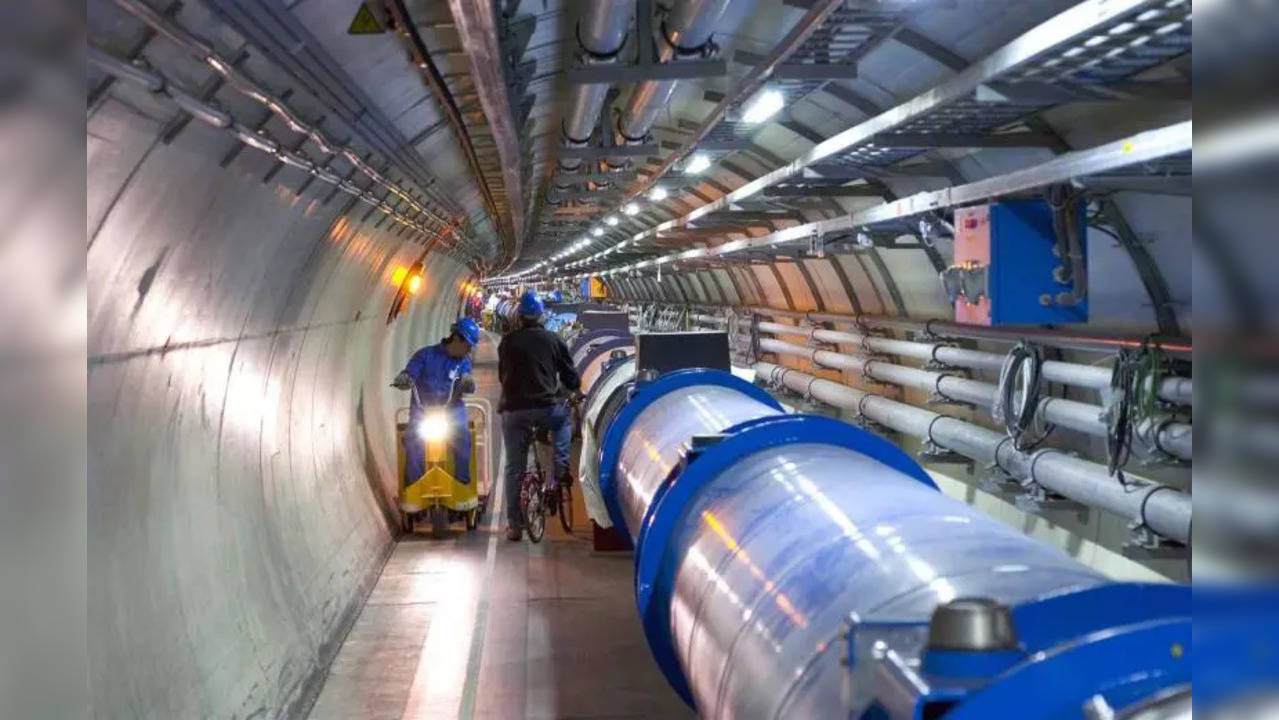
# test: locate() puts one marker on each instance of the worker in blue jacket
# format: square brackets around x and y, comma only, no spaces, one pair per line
[440,374]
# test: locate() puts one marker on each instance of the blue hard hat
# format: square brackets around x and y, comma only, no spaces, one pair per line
[468,330]
[531,304]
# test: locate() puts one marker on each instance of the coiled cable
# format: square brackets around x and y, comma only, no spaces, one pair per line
[1017,403]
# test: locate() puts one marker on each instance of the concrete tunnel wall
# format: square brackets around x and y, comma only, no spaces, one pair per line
[241,441]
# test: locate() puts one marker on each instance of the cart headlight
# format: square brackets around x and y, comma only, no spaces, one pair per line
[433,427]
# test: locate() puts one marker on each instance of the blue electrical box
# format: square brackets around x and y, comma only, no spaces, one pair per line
[1006,271]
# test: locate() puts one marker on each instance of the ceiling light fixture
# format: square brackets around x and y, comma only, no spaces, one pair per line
[611,220]
[657,194]
[697,163]
[764,105]
[631,208]
[597,231]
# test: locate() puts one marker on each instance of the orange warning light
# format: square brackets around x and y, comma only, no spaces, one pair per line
[415,284]
[397,277]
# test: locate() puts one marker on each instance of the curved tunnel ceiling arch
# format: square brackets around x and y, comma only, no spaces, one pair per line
[238,310]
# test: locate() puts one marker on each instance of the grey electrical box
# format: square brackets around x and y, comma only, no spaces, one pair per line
[665,352]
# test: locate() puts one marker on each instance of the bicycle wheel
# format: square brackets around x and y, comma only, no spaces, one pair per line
[566,506]
[535,512]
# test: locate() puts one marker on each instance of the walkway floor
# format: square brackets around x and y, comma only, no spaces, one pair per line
[474,626]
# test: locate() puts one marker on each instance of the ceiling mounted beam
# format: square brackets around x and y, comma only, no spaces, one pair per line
[965,140]
[801,191]
[596,153]
[815,71]
[478,27]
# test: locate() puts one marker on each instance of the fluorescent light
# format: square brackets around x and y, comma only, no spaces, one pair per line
[631,208]
[611,220]
[764,105]
[657,194]
[597,231]
[697,163]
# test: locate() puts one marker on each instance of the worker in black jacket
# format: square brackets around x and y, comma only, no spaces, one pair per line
[537,375]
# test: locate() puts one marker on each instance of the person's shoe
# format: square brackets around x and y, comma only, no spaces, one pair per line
[514,534]
[552,500]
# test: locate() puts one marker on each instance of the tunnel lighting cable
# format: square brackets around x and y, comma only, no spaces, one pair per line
[260,140]
[242,83]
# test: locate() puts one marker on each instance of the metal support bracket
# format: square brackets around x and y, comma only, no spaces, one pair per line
[1144,544]
[934,453]
[816,246]
[995,481]
[1040,501]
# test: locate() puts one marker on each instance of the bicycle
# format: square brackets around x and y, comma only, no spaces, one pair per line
[536,499]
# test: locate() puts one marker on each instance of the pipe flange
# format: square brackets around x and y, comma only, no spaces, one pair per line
[860,324]
[929,433]
[998,465]
[1140,522]
[1034,460]
[705,50]
[589,53]
[808,390]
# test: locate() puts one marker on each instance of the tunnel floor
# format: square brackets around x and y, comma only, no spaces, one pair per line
[475,626]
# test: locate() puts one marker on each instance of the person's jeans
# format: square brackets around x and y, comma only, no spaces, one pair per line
[515,439]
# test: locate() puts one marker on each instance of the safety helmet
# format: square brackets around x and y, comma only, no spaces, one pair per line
[531,304]
[468,330]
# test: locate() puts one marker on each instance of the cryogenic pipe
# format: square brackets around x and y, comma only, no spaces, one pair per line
[1178,390]
[774,551]
[1171,437]
[601,33]
[1163,509]
[1043,336]
[687,28]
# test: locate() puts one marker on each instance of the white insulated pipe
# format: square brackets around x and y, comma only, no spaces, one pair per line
[1165,510]
[1177,390]
[1173,438]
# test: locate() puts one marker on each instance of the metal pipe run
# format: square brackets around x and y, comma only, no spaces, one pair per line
[1179,390]
[1171,437]
[1163,509]
[601,34]
[687,27]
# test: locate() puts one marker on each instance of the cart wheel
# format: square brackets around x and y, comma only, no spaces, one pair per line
[473,519]
[439,521]
[406,520]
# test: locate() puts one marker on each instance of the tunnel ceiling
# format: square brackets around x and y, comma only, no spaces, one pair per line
[855,69]
[465,109]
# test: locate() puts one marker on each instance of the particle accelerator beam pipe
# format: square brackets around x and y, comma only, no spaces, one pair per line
[775,552]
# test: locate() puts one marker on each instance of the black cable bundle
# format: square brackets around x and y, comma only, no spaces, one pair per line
[1017,417]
